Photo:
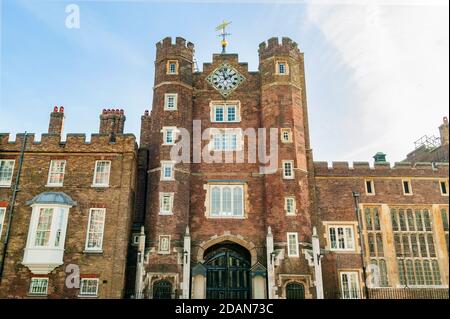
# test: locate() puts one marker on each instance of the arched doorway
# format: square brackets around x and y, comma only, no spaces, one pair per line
[295,290]
[227,272]
[162,289]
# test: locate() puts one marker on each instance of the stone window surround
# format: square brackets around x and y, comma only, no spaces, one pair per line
[445,181]
[284,279]
[164,252]
[40,278]
[161,197]
[294,213]
[292,176]
[277,68]
[408,180]
[174,130]
[208,187]
[169,62]
[354,225]
[166,101]
[225,131]
[165,163]
[289,252]
[289,132]
[372,184]
[213,104]
[359,281]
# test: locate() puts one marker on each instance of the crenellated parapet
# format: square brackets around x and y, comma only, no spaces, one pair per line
[273,47]
[361,169]
[74,143]
[181,47]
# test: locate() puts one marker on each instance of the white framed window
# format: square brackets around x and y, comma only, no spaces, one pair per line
[370,187]
[95,229]
[44,227]
[38,286]
[225,112]
[226,200]
[170,101]
[101,173]
[172,67]
[407,188]
[164,244]
[443,186]
[6,172]
[292,244]
[286,135]
[2,219]
[56,173]
[89,287]
[341,237]
[167,171]
[226,140]
[350,285]
[289,205]
[288,169]
[166,203]
[169,135]
[281,68]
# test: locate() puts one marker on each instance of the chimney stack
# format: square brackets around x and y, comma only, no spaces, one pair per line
[443,131]
[112,122]
[56,121]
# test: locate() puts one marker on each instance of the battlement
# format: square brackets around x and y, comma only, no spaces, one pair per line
[273,47]
[360,169]
[75,143]
[166,48]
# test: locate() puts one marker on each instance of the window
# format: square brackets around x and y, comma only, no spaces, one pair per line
[443,185]
[172,67]
[38,286]
[226,201]
[101,173]
[295,290]
[226,140]
[169,135]
[288,169]
[96,224]
[89,286]
[292,244]
[44,226]
[341,238]
[167,169]
[444,217]
[286,135]
[135,239]
[350,285]
[370,187]
[164,244]
[56,173]
[6,172]
[166,203]
[407,190]
[414,247]
[225,113]
[281,68]
[2,219]
[289,205]
[170,101]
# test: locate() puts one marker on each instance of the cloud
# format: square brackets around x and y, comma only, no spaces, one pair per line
[398,61]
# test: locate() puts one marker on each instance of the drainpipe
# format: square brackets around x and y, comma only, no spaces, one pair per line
[11,207]
[140,265]
[317,264]
[361,242]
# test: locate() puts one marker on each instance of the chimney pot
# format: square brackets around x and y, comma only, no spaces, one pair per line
[55,109]
[61,109]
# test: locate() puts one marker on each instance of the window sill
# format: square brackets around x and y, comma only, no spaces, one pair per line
[54,185]
[37,295]
[5,186]
[94,252]
[163,253]
[343,251]
[289,178]
[99,186]
[165,214]
[226,217]
[167,180]
[87,296]
[168,109]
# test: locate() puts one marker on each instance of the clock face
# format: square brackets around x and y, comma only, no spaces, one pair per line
[225,79]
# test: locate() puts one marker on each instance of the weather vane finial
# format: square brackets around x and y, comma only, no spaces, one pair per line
[223,34]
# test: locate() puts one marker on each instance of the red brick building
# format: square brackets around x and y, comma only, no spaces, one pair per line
[221,200]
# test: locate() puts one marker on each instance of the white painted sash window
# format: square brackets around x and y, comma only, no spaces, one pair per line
[227,201]
[6,172]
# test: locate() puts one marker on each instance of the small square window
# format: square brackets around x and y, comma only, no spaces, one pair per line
[38,286]
[169,135]
[443,185]
[370,189]
[289,205]
[164,244]
[286,135]
[6,172]
[231,113]
[172,67]
[288,169]
[170,101]
[167,169]
[225,112]
[166,203]
[407,190]
[282,68]
[89,287]
[218,114]
[341,238]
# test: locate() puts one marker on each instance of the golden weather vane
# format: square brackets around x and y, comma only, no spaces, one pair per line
[223,34]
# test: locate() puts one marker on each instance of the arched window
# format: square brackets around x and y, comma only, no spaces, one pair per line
[295,290]
[162,289]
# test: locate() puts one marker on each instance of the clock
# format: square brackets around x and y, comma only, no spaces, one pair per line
[225,79]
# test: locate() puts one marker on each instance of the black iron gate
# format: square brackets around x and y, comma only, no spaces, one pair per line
[162,290]
[227,275]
